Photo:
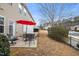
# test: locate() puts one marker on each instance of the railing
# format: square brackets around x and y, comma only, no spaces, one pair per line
[74,41]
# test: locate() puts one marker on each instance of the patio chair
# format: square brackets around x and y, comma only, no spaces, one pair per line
[24,37]
[29,37]
[36,30]
[12,39]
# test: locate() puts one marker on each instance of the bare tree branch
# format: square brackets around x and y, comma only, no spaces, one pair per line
[49,11]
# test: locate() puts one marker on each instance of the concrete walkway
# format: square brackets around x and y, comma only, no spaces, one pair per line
[46,47]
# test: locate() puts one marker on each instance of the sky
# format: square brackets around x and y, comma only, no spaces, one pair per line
[69,9]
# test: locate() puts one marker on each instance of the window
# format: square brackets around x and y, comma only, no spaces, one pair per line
[75,28]
[11,28]
[1,29]
[1,24]
[1,20]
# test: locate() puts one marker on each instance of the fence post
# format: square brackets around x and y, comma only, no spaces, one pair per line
[70,41]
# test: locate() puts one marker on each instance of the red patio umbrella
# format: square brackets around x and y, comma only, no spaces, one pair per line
[25,22]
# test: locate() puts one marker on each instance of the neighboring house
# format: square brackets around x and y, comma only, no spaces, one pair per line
[76,27]
[9,14]
[46,25]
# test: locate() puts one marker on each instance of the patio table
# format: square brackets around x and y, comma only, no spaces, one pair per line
[29,37]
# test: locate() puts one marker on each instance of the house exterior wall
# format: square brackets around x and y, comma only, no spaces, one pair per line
[12,13]
[73,27]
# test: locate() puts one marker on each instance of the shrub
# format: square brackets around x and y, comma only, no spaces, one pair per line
[58,33]
[4,45]
[77,30]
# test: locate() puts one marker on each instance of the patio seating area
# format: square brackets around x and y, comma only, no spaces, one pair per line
[21,43]
[27,40]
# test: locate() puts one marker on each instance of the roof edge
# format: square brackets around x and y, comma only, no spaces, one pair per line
[23,4]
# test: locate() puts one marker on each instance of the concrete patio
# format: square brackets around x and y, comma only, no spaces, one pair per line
[21,43]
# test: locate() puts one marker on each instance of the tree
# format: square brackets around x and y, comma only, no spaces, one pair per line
[76,19]
[49,11]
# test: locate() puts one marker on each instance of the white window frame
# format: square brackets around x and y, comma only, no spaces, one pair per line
[14,27]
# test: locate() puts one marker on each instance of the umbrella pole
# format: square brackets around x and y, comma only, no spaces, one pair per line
[26,33]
